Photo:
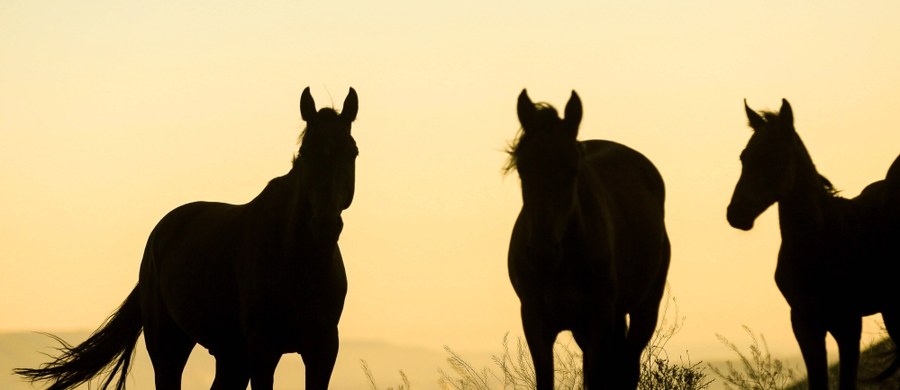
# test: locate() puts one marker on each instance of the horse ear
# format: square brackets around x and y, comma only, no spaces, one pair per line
[351,106]
[525,109]
[786,113]
[754,118]
[573,113]
[307,105]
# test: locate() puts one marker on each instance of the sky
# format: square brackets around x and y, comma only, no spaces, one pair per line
[113,113]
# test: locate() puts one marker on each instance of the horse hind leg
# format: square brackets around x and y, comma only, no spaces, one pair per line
[168,353]
[892,325]
[168,346]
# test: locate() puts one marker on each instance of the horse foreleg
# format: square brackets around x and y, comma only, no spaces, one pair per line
[847,333]
[603,347]
[231,372]
[262,370]
[810,334]
[319,359]
[540,342]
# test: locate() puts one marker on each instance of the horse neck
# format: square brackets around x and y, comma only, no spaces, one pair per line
[284,203]
[801,211]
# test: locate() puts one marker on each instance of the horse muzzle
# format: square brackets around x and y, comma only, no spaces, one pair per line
[740,216]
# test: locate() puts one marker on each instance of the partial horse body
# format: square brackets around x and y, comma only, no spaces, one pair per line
[248,282]
[589,251]
[839,257]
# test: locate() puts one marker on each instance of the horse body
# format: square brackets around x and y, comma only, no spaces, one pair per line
[586,253]
[248,282]
[838,257]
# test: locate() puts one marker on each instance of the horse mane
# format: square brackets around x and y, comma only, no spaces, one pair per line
[545,116]
[828,187]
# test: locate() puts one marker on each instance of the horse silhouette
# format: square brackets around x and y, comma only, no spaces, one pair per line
[248,282]
[589,251]
[839,257]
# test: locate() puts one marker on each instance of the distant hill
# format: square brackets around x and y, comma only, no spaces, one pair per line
[385,360]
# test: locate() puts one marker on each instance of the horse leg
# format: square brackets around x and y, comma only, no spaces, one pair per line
[319,358]
[169,349]
[540,343]
[231,371]
[588,358]
[168,346]
[847,333]
[262,376]
[603,349]
[892,325]
[641,326]
[810,335]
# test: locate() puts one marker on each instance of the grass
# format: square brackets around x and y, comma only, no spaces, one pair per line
[758,371]
[872,362]
[513,369]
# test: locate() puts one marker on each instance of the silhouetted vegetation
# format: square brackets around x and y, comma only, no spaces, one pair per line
[758,371]
[872,361]
[512,369]
[404,385]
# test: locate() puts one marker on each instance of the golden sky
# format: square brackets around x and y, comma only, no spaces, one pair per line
[112,113]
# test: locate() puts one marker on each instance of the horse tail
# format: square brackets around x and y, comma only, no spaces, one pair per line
[108,351]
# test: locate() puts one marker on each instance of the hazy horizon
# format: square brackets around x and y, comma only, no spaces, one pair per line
[112,114]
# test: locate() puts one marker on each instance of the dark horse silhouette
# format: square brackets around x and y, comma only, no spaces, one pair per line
[589,247]
[839,257]
[248,282]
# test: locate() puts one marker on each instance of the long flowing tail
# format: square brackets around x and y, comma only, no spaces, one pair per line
[108,351]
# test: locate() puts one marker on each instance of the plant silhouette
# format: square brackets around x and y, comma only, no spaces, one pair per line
[839,257]
[589,247]
[248,282]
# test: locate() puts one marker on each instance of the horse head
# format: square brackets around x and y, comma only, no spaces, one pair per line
[769,165]
[327,162]
[548,157]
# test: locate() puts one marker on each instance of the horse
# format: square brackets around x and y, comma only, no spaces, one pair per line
[248,282]
[838,258]
[589,252]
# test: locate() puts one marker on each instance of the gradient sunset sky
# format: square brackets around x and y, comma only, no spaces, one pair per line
[112,113]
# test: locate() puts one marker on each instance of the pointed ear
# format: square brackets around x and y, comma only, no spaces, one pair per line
[525,108]
[786,113]
[754,118]
[351,106]
[307,105]
[573,112]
